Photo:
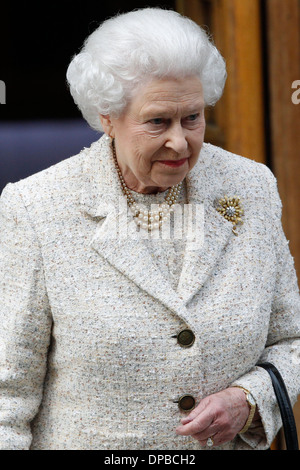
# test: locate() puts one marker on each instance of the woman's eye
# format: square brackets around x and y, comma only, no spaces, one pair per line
[156,121]
[193,117]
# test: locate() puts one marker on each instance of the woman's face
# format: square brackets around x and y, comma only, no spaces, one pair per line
[159,136]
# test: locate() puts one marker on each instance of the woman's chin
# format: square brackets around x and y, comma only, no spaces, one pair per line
[165,181]
[170,176]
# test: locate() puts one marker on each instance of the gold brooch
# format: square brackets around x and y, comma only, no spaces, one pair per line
[231,209]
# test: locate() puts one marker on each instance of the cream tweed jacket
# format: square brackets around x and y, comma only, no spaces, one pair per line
[88,352]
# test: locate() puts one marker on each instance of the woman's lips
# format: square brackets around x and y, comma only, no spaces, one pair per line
[173,163]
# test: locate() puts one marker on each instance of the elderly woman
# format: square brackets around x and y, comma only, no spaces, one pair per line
[116,332]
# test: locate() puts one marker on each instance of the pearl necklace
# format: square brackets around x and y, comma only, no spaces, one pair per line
[153,219]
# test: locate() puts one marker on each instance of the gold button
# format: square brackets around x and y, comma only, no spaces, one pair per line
[186,338]
[186,402]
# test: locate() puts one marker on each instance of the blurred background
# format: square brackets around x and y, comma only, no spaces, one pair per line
[256,117]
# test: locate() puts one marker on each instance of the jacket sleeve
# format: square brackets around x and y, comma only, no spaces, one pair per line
[283,342]
[25,322]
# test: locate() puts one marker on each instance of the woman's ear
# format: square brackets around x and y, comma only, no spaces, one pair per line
[107,125]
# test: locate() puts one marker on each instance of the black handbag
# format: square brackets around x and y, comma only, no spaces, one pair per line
[286,410]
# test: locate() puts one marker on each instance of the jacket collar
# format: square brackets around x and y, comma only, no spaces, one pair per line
[103,200]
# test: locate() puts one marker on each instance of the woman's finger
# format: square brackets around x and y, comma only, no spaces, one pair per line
[196,425]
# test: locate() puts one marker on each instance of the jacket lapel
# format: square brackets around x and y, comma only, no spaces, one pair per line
[205,187]
[199,263]
[117,241]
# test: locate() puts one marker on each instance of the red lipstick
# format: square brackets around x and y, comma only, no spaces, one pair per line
[173,163]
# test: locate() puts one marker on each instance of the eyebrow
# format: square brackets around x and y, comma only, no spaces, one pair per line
[161,111]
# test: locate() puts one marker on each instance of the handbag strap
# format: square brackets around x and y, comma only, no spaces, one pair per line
[285,407]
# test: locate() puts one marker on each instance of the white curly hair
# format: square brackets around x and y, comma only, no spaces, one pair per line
[130,49]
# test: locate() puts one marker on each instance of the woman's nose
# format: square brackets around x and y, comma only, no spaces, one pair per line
[176,139]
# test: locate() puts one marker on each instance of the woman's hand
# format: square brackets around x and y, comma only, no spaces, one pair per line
[220,416]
